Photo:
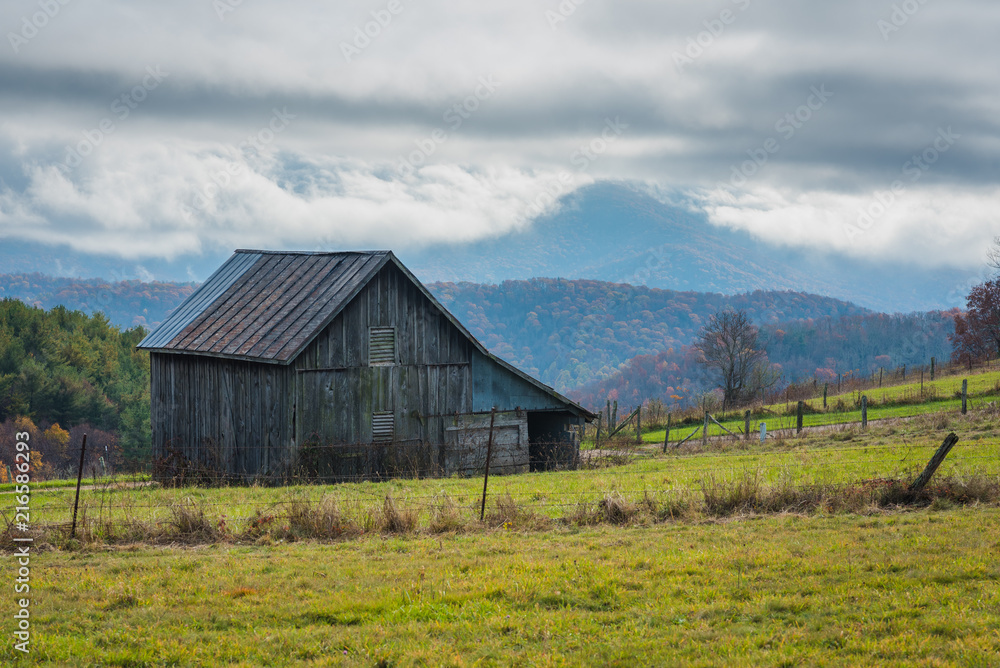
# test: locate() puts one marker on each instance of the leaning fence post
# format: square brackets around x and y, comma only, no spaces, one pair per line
[965,396]
[934,463]
[864,412]
[79,479]
[489,456]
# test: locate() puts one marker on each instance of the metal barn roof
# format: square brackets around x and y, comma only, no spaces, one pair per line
[265,306]
[268,306]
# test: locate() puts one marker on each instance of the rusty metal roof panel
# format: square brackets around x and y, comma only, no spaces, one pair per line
[266,305]
[196,303]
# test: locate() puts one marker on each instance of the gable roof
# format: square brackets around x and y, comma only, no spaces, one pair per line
[268,306]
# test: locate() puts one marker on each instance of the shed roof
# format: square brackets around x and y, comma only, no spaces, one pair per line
[268,306]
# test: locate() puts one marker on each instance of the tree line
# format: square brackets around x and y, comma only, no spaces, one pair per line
[67,368]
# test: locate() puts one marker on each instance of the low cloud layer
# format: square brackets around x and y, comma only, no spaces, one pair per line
[153,129]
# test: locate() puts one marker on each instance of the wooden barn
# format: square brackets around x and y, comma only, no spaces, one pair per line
[341,365]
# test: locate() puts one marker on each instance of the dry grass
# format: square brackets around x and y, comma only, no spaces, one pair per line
[446,517]
[741,494]
[395,520]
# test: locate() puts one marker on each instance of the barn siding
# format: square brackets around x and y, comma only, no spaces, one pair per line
[494,385]
[432,377]
[229,414]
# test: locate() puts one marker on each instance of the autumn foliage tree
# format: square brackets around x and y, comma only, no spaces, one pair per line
[977,331]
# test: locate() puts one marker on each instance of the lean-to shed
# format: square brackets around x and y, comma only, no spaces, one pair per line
[340,365]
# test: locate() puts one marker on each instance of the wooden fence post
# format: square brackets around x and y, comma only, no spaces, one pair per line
[79,479]
[932,368]
[934,463]
[826,387]
[610,423]
[666,437]
[864,411]
[614,415]
[489,456]
[904,372]
[597,437]
[798,417]
[965,396]
[746,426]
[638,424]
[704,433]
[880,370]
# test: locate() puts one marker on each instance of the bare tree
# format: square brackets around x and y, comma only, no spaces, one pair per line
[730,344]
[993,255]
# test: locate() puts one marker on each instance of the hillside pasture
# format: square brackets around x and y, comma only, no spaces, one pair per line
[829,469]
[942,396]
[805,550]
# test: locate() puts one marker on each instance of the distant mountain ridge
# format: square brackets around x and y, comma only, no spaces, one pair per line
[609,231]
[614,232]
[570,333]
[125,303]
[567,333]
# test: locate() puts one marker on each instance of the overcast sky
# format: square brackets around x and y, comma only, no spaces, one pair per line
[155,129]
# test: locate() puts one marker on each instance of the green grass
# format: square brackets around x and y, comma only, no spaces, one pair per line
[836,457]
[67,483]
[778,422]
[912,589]
[881,586]
[906,400]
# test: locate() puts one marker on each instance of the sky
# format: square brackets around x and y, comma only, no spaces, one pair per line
[160,129]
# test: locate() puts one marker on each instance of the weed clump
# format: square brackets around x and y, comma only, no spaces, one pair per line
[189,522]
[446,517]
[614,509]
[323,520]
[509,514]
[394,520]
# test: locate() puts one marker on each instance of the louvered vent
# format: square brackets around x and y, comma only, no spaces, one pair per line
[383,427]
[382,346]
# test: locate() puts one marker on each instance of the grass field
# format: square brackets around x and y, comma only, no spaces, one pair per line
[795,552]
[824,458]
[906,400]
[904,589]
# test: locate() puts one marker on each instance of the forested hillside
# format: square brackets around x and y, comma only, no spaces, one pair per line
[67,368]
[125,303]
[817,348]
[570,333]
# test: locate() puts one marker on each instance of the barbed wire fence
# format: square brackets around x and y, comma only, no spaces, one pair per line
[620,483]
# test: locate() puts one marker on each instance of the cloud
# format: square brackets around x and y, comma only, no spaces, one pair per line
[163,200]
[907,227]
[333,176]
